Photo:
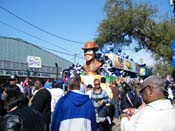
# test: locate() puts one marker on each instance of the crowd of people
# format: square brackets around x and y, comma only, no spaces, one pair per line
[68,104]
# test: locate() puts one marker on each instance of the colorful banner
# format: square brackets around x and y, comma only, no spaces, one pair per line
[118,62]
[123,63]
[128,65]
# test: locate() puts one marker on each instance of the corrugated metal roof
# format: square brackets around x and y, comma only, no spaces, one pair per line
[21,40]
[47,57]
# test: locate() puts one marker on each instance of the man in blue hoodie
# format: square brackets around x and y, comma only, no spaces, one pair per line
[74,111]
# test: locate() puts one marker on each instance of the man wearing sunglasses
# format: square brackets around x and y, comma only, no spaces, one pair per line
[99,98]
[158,113]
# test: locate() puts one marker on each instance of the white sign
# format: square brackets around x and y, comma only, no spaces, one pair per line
[34,61]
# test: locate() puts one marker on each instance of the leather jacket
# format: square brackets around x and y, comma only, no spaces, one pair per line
[22,119]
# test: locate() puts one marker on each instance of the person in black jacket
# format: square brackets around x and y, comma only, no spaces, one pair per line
[20,117]
[2,110]
[41,101]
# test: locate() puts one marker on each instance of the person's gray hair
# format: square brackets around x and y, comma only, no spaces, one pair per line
[155,82]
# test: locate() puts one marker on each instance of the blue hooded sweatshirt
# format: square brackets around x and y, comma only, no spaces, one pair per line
[74,112]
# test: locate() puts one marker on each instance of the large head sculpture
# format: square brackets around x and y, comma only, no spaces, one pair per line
[89,50]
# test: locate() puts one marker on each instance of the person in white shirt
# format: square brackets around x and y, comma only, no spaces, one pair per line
[56,93]
[158,113]
[89,90]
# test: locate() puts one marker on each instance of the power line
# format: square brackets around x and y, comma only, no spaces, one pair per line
[42,40]
[60,52]
[31,35]
[79,56]
[40,29]
[56,51]
[74,58]
[71,59]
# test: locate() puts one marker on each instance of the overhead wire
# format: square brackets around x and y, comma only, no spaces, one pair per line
[56,51]
[31,35]
[65,53]
[40,29]
[52,34]
[73,55]
[44,48]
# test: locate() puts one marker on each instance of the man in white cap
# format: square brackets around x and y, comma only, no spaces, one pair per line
[13,80]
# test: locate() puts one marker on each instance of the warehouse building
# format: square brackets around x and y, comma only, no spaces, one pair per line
[28,60]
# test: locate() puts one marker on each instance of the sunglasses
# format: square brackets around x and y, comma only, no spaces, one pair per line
[89,51]
[97,84]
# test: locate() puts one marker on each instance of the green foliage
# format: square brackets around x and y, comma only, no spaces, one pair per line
[126,21]
[163,69]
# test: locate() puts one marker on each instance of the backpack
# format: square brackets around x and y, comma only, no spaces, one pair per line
[131,99]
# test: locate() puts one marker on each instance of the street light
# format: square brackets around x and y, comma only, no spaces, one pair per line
[56,70]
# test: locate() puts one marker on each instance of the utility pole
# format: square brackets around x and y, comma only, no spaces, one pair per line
[75,56]
[141,61]
[56,64]
[172,3]
[174,8]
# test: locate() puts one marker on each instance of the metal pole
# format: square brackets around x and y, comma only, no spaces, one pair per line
[172,3]
[75,55]
[56,71]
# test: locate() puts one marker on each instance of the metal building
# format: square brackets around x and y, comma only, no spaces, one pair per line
[13,59]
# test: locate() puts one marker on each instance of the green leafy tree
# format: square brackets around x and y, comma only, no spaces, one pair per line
[162,69]
[127,21]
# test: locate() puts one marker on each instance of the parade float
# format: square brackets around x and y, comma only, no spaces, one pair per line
[109,62]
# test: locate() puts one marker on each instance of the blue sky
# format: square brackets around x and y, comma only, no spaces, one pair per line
[73,19]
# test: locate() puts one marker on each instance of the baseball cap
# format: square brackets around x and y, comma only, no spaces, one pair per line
[153,81]
[13,77]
